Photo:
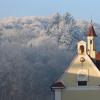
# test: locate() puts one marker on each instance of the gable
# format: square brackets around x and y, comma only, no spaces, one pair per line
[71,74]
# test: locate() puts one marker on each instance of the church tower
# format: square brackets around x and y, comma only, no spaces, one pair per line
[91,50]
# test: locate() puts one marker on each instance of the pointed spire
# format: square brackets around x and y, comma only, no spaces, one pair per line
[91,31]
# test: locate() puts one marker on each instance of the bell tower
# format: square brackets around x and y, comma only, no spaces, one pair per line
[91,50]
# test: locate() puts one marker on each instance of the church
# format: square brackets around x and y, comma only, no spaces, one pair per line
[81,79]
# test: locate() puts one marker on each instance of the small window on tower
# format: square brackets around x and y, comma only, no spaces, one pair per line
[90,41]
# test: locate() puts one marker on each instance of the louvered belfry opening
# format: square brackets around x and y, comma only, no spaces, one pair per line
[82,49]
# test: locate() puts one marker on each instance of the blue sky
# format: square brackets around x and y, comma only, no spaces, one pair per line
[80,9]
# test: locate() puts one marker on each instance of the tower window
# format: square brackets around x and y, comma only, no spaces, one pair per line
[82,83]
[90,41]
[82,49]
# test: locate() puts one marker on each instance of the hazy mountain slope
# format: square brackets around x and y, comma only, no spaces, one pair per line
[34,51]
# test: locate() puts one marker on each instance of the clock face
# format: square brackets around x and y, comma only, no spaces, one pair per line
[82,75]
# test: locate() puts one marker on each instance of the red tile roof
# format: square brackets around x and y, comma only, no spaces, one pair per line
[98,60]
[57,85]
[91,31]
[98,56]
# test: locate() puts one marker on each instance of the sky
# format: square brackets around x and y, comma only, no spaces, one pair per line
[80,9]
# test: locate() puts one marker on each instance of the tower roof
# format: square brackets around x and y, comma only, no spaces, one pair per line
[91,31]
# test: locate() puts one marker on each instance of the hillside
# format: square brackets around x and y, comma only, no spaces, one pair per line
[34,51]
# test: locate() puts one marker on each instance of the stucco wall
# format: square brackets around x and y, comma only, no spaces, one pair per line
[81,95]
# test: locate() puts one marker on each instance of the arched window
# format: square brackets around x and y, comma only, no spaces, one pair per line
[81,49]
[90,41]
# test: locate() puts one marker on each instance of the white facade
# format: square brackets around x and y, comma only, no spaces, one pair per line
[57,94]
